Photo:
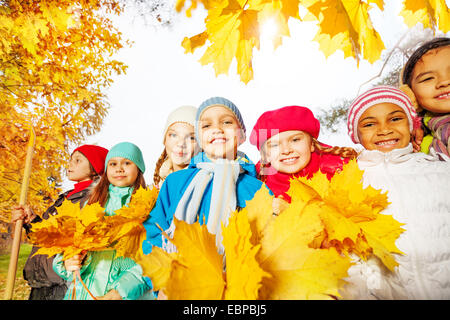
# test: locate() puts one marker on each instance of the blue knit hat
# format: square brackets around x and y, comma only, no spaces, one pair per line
[215,101]
[128,151]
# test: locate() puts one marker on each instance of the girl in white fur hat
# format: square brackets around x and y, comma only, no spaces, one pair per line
[179,143]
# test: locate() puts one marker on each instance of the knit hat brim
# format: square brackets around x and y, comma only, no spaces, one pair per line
[128,151]
[372,97]
[223,102]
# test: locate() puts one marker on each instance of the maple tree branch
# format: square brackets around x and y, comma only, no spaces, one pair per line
[385,61]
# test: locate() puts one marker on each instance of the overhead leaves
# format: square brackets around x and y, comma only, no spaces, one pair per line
[232,27]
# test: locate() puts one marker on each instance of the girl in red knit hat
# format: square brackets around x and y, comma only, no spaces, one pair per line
[287,140]
[85,165]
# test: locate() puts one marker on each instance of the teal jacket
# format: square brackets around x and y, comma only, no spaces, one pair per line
[102,271]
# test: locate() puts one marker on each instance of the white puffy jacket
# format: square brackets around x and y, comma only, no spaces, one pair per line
[418,188]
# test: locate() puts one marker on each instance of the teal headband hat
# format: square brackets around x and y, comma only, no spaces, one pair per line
[128,151]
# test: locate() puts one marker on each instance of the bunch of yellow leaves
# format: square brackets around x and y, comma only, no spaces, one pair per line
[71,231]
[76,229]
[350,214]
[268,257]
[126,229]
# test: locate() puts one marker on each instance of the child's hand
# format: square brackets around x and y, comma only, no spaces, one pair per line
[22,212]
[417,137]
[74,263]
[279,205]
[161,295]
[111,295]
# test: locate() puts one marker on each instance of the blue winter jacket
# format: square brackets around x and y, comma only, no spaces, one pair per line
[176,183]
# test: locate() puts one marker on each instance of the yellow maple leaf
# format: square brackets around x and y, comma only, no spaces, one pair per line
[299,271]
[259,212]
[157,266]
[351,215]
[125,228]
[71,231]
[431,13]
[243,273]
[196,273]
[346,25]
[381,234]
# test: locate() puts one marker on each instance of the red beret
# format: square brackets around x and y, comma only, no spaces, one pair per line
[283,119]
[96,156]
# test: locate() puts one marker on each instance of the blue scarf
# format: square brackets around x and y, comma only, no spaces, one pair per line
[224,174]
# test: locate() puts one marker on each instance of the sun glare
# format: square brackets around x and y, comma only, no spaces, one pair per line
[269,30]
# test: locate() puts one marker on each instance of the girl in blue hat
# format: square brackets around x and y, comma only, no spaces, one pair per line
[107,277]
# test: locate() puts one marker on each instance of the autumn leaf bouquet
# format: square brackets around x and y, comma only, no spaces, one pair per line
[75,230]
[304,253]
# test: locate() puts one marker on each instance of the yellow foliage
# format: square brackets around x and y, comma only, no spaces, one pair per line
[299,271]
[301,254]
[55,66]
[71,231]
[232,27]
[74,230]
[196,272]
[431,13]
[351,215]
[125,227]
[243,271]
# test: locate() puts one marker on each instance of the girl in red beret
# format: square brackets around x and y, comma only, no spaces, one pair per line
[86,164]
[287,140]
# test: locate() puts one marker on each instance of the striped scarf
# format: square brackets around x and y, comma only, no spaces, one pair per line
[440,129]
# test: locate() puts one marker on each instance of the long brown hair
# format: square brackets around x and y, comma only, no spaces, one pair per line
[100,192]
[345,152]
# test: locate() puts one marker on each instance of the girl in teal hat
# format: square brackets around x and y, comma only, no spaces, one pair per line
[108,277]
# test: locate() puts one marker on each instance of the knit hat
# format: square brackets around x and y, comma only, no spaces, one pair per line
[96,156]
[273,122]
[184,114]
[218,101]
[128,151]
[374,96]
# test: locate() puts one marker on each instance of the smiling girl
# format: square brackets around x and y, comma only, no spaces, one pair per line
[382,120]
[108,277]
[287,140]
[426,79]
[179,143]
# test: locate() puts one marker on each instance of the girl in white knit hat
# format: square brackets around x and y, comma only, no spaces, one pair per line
[417,185]
[179,143]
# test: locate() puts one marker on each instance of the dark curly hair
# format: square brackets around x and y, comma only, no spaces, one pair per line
[424,48]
